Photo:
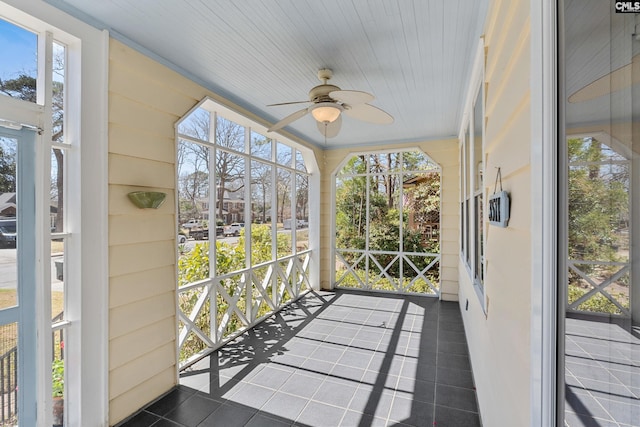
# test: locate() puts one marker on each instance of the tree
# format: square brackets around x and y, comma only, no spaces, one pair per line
[24,87]
[598,201]
[7,169]
[230,167]
[193,187]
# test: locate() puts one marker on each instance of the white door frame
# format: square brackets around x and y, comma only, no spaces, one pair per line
[544,202]
[26,261]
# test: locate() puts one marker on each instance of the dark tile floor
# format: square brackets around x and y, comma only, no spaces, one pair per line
[602,373]
[332,359]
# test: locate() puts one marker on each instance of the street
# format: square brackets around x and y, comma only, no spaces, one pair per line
[9,270]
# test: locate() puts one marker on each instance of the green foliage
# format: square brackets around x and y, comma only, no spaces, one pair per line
[598,202]
[57,371]
[597,303]
[597,215]
[7,171]
[194,266]
[22,87]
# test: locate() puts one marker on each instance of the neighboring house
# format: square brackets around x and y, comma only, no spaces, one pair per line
[8,208]
[232,208]
[8,204]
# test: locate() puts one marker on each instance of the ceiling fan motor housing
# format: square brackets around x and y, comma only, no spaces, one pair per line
[320,93]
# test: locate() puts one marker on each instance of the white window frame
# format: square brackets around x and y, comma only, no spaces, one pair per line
[366,252]
[86,279]
[469,237]
[544,89]
[312,172]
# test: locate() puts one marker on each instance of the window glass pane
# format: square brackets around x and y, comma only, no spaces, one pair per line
[58,378]
[479,244]
[58,268]
[421,212]
[599,211]
[261,146]
[229,135]
[196,125]
[56,208]
[9,372]
[58,95]
[384,213]
[383,162]
[417,161]
[284,154]
[284,182]
[351,213]
[467,236]
[8,223]
[261,192]
[302,212]
[591,149]
[193,185]
[302,197]
[599,282]
[467,164]
[300,165]
[355,165]
[230,185]
[19,65]
[477,164]
[59,263]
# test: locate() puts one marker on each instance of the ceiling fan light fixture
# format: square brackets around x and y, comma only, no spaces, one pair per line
[326,112]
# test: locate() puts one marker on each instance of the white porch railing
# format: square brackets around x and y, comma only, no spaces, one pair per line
[216,310]
[606,280]
[400,272]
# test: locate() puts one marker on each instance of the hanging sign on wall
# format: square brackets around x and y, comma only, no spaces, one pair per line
[499,205]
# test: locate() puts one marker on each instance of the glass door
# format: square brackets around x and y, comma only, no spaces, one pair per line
[17,277]
[599,360]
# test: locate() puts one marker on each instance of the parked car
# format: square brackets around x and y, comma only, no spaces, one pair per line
[199,233]
[182,239]
[193,223]
[233,229]
[301,223]
[8,232]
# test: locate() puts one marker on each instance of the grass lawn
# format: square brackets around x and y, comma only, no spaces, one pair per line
[57,247]
[8,299]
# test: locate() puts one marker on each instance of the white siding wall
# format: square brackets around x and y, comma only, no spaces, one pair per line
[499,343]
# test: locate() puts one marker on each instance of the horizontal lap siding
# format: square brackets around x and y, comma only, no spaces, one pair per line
[499,343]
[145,101]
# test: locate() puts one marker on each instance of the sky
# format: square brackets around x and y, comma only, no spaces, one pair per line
[17,51]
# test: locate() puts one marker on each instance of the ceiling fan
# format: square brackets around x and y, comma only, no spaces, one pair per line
[328,102]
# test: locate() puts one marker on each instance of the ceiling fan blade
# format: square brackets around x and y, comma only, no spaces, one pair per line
[330,130]
[618,79]
[288,103]
[289,119]
[369,113]
[351,97]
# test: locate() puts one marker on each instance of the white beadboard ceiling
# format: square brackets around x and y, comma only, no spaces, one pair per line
[413,55]
[599,45]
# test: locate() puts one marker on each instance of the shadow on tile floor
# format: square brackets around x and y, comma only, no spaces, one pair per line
[342,358]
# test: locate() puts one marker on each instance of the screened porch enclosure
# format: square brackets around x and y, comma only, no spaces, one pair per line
[387,223]
[238,193]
